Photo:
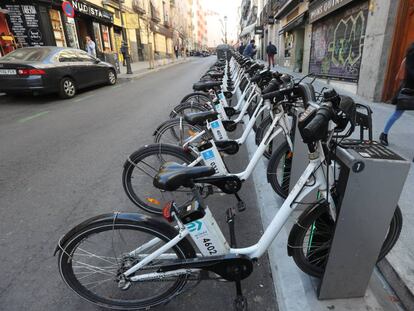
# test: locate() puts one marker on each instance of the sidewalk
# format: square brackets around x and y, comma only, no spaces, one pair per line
[398,266]
[140,69]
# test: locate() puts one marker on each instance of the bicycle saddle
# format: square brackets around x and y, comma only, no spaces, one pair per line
[215,74]
[200,118]
[172,176]
[205,85]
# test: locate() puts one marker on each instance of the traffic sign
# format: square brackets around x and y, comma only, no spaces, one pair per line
[68,9]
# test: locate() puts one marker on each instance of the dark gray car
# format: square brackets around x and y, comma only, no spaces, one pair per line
[52,69]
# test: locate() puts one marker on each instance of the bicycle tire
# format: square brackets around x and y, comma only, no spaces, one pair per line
[132,164]
[285,155]
[198,97]
[68,264]
[177,137]
[187,107]
[321,218]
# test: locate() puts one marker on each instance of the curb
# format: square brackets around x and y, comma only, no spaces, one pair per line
[400,288]
[136,76]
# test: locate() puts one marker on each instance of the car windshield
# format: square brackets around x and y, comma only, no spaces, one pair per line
[27,54]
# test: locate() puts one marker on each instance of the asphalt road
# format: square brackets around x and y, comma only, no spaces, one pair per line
[61,162]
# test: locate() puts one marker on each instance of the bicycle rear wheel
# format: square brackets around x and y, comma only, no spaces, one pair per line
[188,107]
[93,258]
[311,239]
[139,172]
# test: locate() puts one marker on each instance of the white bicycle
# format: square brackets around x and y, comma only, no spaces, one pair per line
[128,261]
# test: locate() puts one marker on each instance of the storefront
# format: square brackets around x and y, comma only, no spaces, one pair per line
[293,19]
[338,32]
[56,23]
[23,24]
[88,20]
[7,40]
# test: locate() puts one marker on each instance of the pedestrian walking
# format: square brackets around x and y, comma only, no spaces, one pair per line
[250,50]
[176,50]
[90,46]
[241,47]
[404,99]
[271,51]
[124,51]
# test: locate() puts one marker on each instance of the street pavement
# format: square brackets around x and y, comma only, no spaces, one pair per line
[61,162]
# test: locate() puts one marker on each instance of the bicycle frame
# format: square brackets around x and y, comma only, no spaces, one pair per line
[279,119]
[299,192]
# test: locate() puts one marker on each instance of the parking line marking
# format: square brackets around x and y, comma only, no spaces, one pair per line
[84,97]
[33,116]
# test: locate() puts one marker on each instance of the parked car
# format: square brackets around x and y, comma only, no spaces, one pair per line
[50,69]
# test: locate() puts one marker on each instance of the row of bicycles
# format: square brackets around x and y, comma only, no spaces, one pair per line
[131,261]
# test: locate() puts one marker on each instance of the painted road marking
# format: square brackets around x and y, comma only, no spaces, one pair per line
[33,116]
[82,98]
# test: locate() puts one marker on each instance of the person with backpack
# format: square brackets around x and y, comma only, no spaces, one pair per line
[271,51]
[250,50]
[404,99]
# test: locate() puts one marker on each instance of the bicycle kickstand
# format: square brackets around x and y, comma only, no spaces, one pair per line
[240,303]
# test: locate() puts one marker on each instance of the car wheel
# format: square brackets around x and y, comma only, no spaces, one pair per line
[67,88]
[111,77]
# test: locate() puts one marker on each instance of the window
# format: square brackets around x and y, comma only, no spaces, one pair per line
[67,56]
[28,54]
[84,57]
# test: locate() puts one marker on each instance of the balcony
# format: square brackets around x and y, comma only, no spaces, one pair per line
[139,6]
[155,14]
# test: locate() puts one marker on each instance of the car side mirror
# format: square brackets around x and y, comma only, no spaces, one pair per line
[97,61]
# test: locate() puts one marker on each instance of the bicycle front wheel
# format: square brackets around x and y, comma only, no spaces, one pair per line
[279,168]
[312,239]
[92,260]
[140,170]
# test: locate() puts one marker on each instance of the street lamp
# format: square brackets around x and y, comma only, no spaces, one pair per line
[124,39]
[225,29]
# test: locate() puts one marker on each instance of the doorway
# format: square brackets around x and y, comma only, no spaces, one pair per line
[403,37]
[84,29]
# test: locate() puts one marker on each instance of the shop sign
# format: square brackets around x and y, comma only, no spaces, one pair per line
[68,9]
[92,10]
[258,30]
[321,8]
[24,24]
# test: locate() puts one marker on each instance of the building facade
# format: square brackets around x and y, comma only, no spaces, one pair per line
[152,27]
[338,40]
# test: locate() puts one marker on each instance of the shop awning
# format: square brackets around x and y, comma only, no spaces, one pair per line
[248,29]
[298,21]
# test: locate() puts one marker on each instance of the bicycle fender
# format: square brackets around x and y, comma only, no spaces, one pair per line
[298,226]
[126,218]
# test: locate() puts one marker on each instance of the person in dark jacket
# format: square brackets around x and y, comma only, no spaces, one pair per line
[405,77]
[241,47]
[250,50]
[271,51]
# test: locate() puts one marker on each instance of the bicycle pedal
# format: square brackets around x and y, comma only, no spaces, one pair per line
[241,206]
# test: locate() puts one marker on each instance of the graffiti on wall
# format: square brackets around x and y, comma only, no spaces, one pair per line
[338,43]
